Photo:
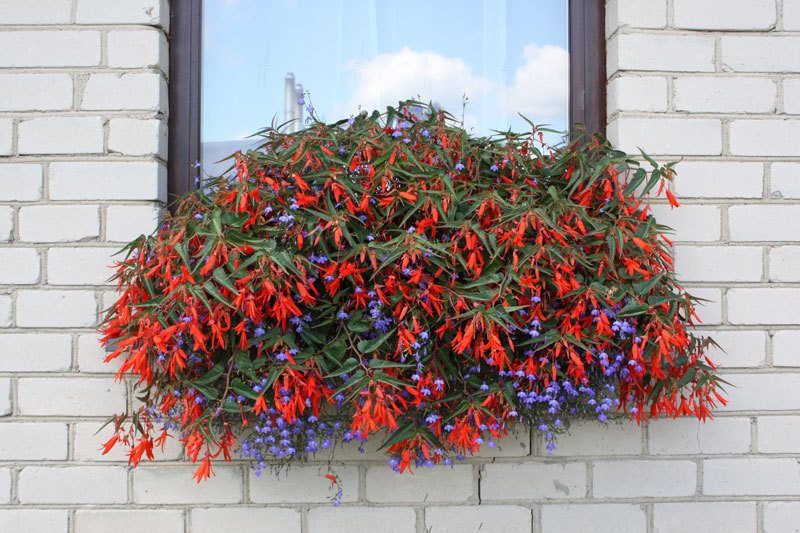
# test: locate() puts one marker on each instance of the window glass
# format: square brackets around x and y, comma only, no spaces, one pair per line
[485,61]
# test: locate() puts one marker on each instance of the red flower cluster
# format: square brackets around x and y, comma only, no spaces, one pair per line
[393,277]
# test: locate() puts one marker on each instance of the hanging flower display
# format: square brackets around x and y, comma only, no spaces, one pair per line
[392,277]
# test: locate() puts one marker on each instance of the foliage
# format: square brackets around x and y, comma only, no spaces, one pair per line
[393,277]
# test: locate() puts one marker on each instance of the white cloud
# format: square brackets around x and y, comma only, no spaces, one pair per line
[540,89]
[388,78]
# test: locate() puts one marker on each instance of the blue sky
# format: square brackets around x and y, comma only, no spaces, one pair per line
[506,55]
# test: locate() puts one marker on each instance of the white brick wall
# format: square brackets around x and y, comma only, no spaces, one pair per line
[83,146]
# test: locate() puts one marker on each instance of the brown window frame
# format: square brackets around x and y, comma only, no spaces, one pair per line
[587,75]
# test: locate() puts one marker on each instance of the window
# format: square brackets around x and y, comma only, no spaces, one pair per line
[488,61]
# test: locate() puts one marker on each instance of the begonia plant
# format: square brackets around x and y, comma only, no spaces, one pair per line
[392,277]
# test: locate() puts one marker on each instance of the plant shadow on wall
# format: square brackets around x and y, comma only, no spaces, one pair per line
[392,277]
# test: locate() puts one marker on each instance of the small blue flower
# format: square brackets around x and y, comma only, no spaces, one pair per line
[459,166]
[494,168]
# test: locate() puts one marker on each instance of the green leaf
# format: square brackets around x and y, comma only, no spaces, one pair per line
[206,390]
[405,430]
[222,278]
[238,386]
[245,364]
[633,308]
[373,344]
[211,376]
[645,286]
[212,290]
[348,366]
[381,363]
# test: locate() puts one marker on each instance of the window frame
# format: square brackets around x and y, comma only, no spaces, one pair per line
[587,81]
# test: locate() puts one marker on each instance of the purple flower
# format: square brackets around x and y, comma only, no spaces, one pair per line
[494,168]
[459,166]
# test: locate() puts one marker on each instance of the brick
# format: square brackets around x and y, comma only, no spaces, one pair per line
[533,480]
[89,439]
[21,266]
[517,443]
[763,306]
[724,95]
[762,392]
[701,223]
[719,179]
[61,135]
[5,485]
[73,484]
[91,355]
[761,54]
[6,136]
[154,12]
[44,12]
[687,436]
[495,518]
[137,49]
[6,310]
[263,520]
[303,484]
[174,484]
[676,136]
[791,14]
[34,520]
[5,396]
[636,13]
[49,48]
[79,266]
[604,518]
[6,223]
[784,263]
[791,96]
[437,484]
[725,14]
[705,517]
[38,352]
[764,137]
[145,180]
[33,441]
[35,92]
[75,396]
[738,348]
[58,223]
[785,348]
[20,182]
[779,434]
[764,222]
[588,437]
[751,476]
[612,479]
[710,311]
[126,222]
[653,52]
[139,90]
[781,517]
[718,263]
[131,136]
[786,180]
[56,309]
[122,521]
[363,520]
[637,93]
